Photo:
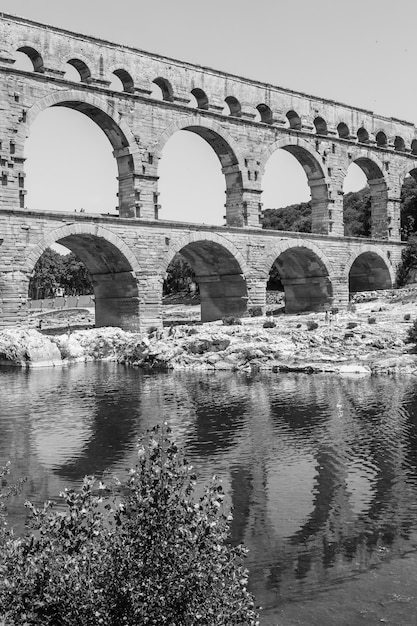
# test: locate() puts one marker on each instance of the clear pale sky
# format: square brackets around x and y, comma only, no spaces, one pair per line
[361,52]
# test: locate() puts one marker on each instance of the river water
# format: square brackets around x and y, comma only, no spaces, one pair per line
[321,471]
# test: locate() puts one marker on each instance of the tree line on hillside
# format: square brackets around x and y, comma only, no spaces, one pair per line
[356,213]
[55,273]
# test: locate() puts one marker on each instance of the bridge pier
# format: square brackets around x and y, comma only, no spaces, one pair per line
[307,294]
[256,292]
[222,296]
[13,302]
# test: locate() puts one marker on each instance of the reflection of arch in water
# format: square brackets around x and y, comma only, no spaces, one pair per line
[221,410]
[115,425]
[112,267]
[220,271]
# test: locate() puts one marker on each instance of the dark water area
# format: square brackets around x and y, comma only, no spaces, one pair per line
[321,471]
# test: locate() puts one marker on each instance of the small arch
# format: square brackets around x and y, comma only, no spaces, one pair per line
[82,69]
[363,135]
[321,126]
[414,146]
[381,139]
[367,271]
[294,120]
[201,98]
[265,113]
[343,130]
[165,87]
[125,79]
[34,57]
[399,144]
[234,106]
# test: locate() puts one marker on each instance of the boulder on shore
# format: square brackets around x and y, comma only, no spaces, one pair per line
[22,347]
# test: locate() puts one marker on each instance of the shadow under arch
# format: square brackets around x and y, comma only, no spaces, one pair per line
[227,152]
[110,122]
[373,169]
[369,269]
[306,276]
[111,265]
[307,156]
[220,272]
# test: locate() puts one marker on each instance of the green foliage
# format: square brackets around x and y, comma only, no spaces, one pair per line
[75,278]
[357,213]
[147,552]
[408,207]
[312,325]
[54,271]
[408,261]
[180,276]
[46,275]
[295,217]
[411,336]
[231,321]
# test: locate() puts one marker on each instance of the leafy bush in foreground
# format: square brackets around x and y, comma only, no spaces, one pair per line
[145,553]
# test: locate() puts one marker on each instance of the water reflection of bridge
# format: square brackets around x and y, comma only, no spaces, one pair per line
[321,471]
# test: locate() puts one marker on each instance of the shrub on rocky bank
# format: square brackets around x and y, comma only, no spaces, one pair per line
[144,552]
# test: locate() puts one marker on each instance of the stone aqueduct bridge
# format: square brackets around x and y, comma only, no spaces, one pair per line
[244,122]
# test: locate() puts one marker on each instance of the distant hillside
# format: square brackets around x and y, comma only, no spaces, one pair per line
[356,213]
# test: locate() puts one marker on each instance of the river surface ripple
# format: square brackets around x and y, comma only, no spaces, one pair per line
[321,471]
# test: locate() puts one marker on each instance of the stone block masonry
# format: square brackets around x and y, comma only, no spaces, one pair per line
[245,122]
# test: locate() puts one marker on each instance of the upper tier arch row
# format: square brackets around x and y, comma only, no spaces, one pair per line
[97,62]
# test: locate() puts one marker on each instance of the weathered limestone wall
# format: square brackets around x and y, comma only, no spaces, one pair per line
[243,120]
[128,259]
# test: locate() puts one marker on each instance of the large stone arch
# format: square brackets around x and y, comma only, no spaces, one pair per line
[228,153]
[374,170]
[121,138]
[306,274]
[306,154]
[112,266]
[220,271]
[369,268]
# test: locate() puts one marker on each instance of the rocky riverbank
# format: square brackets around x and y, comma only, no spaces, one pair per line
[371,338]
